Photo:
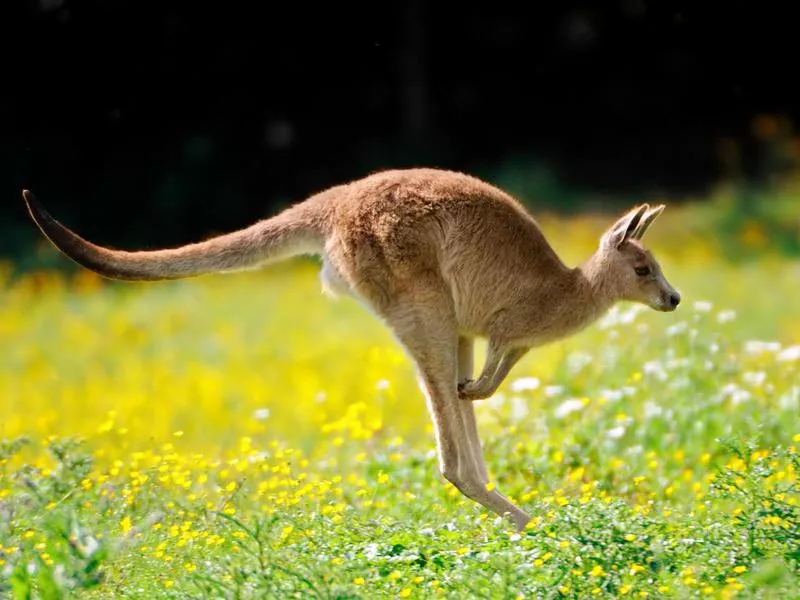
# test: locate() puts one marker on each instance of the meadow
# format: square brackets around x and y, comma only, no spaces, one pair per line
[243,436]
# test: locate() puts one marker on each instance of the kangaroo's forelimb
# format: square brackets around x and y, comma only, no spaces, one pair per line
[498,364]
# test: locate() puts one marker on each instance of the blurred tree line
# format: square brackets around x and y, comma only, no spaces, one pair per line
[146,124]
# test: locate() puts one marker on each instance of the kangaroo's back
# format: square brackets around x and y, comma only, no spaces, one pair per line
[447,210]
[393,227]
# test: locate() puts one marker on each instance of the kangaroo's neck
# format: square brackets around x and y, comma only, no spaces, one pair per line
[568,301]
[591,290]
[586,298]
[596,285]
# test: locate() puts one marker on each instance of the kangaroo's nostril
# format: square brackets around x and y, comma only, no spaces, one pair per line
[674,299]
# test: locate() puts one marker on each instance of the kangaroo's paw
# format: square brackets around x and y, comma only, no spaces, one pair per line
[472,390]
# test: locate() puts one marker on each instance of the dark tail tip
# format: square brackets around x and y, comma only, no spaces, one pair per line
[35,207]
[46,224]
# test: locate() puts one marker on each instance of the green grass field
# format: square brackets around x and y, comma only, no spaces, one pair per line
[242,436]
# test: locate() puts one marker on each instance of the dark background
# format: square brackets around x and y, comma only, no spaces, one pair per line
[153,123]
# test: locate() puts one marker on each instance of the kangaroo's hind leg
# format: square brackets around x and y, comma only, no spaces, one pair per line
[423,320]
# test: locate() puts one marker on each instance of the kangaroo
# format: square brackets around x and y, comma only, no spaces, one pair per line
[442,258]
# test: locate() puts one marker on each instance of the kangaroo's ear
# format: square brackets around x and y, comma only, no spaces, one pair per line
[646,221]
[624,228]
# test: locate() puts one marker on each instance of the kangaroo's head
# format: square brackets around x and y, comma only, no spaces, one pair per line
[623,269]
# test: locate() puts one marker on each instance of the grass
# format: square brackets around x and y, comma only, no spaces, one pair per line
[241,436]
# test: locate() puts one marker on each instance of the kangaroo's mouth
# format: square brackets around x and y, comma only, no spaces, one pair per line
[667,302]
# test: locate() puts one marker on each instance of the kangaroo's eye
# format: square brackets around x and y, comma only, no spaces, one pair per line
[642,271]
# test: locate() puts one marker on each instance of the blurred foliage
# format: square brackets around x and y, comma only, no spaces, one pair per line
[242,436]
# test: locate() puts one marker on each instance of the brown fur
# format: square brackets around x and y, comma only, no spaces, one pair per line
[442,258]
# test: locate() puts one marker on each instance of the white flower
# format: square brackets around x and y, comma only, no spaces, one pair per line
[677,328]
[611,395]
[754,347]
[615,433]
[261,414]
[577,360]
[724,316]
[789,354]
[651,409]
[610,319]
[570,405]
[754,378]
[524,384]
[702,306]
[258,457]
[790,400]
[92,546]
[678,363]
[735,393]
[635,450]
[519,408]
[553,390]
[655,369]
[497,400]
[629,315]
[371,551]
[383,384]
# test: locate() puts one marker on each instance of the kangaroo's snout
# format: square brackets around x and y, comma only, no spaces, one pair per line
[668,301]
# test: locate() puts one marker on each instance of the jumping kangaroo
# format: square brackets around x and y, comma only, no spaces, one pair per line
[441,258]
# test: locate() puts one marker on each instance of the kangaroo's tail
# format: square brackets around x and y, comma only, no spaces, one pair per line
[297,230]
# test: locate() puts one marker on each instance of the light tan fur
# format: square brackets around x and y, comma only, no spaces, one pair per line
[442,258]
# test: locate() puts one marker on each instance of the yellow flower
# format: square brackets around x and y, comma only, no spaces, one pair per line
[739,569]
[576,474]
[125,525]
[597,571]
[358,581]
